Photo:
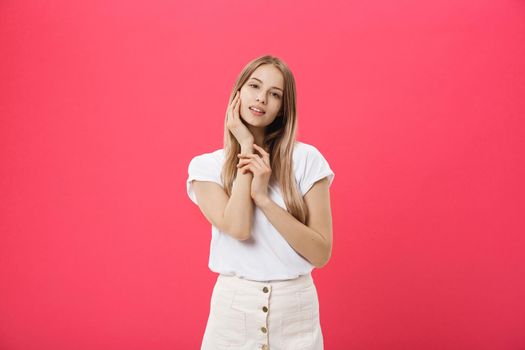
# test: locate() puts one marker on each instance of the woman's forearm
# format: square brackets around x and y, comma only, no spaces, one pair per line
[305,241]
[238,213]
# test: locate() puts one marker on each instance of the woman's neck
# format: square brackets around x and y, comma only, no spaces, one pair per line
[258,135]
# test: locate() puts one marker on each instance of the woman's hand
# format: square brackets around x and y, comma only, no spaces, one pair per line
[261,170]
[235,124]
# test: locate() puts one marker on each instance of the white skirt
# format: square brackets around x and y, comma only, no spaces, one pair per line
[272,315]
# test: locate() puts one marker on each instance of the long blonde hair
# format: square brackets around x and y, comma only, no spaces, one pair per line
[279,140]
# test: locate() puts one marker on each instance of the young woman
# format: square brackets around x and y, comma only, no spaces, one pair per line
[267,198]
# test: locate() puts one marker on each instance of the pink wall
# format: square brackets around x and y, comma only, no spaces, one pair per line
[418,107]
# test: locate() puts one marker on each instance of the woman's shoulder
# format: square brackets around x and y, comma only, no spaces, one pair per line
[303,149]
[208,157]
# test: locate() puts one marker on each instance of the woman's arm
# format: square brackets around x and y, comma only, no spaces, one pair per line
[234,214]
[312,241]
[238,213]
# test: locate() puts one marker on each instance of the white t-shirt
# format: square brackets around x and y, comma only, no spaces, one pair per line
[266,256]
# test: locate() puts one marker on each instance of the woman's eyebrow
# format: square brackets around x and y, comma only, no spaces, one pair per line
[275,87]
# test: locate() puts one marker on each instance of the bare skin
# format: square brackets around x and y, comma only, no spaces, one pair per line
[264,88]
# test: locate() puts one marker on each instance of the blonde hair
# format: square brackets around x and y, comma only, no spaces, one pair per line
[279,140]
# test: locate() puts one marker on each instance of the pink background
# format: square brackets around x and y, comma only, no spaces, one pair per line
[417,106]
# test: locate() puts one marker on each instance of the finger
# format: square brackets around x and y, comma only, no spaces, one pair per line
[265,155]
[236,109]
[246,168]
[229,110]
[257,163]
[234,100]
[255,159]
[242,162]
[233,104]
[245,161]
[251,163]
[261,150]
[250,155]
[258,160]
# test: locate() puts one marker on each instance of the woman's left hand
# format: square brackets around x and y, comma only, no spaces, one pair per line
[259,166]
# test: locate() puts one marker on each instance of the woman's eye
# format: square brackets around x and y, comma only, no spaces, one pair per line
[275,94]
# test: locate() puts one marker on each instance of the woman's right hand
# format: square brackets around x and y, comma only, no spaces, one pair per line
[235,124]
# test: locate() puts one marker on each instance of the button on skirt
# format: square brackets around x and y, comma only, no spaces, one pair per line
[271,315]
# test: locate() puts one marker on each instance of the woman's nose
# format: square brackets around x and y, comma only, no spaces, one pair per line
[260,99]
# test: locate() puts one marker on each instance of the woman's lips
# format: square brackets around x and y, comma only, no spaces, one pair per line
[255,112]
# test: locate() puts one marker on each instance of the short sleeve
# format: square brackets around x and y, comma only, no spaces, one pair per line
[203,167]
[316,168]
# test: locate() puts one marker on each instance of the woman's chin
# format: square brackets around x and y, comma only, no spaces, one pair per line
[251,120]
[259,122]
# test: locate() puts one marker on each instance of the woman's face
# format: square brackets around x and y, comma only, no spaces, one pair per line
[264,89]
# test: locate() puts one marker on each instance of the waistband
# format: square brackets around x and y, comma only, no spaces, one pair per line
[236,282]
